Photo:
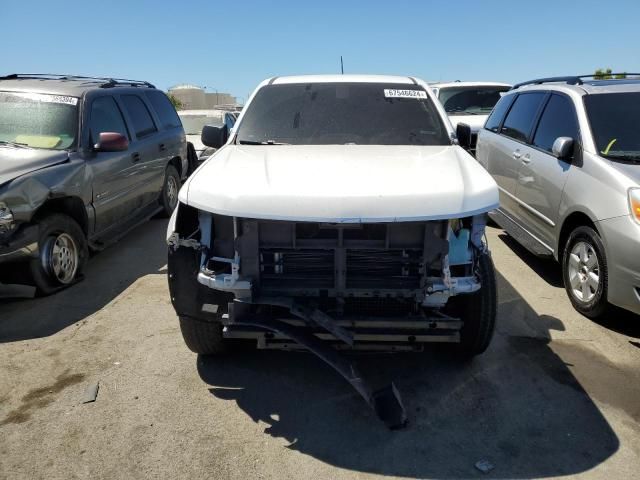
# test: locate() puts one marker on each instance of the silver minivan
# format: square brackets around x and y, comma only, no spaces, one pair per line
[565,153]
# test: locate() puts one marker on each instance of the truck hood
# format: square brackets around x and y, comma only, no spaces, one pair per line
[341,183]
[15,162]
[476,122]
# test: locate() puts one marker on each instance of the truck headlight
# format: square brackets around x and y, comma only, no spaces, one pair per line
[6,218]
[634,203]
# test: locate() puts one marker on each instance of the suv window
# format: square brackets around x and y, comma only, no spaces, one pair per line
[163,107]
[142,122]
[557,120]
[494,120]
[106,117]
[520,118]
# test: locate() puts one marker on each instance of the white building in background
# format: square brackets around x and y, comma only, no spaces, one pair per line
[193,97]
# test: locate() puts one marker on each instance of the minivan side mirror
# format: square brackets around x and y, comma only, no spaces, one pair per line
[214,137]
[111,142]
[463,132]
[562,148]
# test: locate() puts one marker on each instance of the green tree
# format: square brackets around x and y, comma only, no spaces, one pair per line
[605,74]
[177,104]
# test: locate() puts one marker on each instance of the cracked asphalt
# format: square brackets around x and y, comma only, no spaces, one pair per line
[555,395]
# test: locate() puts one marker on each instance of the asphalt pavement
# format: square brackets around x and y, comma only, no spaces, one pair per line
[555,395]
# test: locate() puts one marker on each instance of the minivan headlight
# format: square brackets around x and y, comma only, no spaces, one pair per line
[634,203]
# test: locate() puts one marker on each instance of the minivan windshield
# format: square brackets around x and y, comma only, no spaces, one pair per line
[342,113]
[38,120]
[614,119]
[470,100]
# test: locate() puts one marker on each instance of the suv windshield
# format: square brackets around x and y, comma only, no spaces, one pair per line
[38,120]
[193,124]
[470,100]
[342,113]
[614,119]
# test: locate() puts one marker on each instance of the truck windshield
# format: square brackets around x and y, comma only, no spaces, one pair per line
[614,119]
[342,113]
[470,100]
[38,120]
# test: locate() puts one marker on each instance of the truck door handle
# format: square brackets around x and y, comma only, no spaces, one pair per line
[516,154]
[135,156]
[162,147]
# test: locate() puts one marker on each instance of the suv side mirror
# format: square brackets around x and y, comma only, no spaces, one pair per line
[214,137]
[111,142]
[562,148]
[463,132]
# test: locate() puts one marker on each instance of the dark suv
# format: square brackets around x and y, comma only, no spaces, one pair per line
[82,161]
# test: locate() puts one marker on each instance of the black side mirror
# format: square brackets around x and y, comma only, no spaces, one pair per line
[111,142]
[463,132]
[214,137]
[562,148]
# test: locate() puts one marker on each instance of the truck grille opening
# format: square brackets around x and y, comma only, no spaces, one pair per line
[295,268]
[383,269]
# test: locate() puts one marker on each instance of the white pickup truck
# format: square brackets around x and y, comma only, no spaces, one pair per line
[340,214]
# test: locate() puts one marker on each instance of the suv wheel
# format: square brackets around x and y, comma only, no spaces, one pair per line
[477,310]
[170,189]
[584,270]
[204,337]
[63,253]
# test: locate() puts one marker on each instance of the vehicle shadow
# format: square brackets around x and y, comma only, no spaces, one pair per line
[108,273]
[546,268]
[518,406]
[617,319]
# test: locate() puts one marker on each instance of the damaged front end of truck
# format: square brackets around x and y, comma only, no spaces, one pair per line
[325,287]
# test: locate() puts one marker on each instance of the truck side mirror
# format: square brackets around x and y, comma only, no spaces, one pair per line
[111,142]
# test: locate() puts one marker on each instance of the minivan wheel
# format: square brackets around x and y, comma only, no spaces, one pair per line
[170,189]
[62,254]
[584,270]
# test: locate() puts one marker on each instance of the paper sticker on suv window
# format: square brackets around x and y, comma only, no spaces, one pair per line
[43,97]
[392,93]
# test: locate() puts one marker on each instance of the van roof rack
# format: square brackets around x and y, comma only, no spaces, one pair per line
[105,82]
[574,79]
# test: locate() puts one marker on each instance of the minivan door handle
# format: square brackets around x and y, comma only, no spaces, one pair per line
[135,156]
[526,159]
[516,154]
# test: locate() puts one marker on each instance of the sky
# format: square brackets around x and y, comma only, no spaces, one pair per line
[231,46]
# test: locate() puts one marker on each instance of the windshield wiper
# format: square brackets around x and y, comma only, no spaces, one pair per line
[14,144]
[266,142]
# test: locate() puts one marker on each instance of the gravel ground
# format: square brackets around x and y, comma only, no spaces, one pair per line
[555,395]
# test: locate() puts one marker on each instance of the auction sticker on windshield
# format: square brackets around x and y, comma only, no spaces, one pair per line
[43,97]
[392,93]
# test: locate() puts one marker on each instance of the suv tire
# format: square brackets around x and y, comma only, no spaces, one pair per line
[203,337]
[62,254]
[170,189]
[478,310]
[584,271]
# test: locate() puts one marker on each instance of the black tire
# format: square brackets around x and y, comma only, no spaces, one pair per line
[597,306]
[61,233]
[203,337]
[192,158]
[478,311]
[170,189]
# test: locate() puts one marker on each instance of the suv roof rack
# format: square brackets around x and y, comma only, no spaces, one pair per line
[573,80]
[105,82]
